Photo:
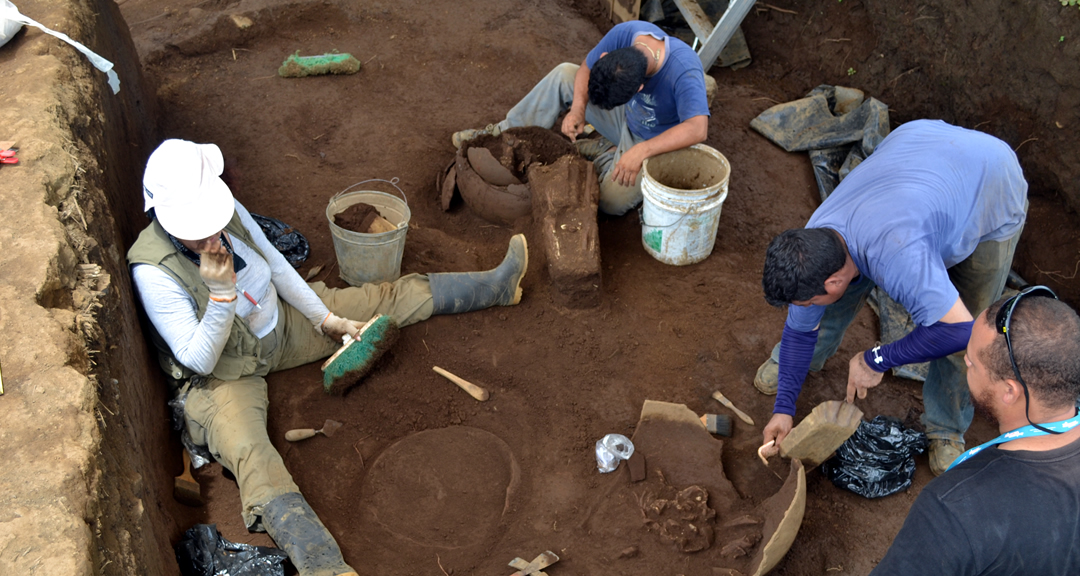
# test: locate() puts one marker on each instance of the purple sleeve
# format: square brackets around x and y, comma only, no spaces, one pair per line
[796,352]
[922,344]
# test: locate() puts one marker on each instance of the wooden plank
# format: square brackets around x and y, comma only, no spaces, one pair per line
[721,34]
[697,19]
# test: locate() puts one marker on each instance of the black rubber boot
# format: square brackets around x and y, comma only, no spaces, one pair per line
[467,291]
[297,530]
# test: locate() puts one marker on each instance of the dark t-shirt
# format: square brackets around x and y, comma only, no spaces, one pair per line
[1000,513]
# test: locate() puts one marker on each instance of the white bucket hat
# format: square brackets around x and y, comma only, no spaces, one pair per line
[182,185]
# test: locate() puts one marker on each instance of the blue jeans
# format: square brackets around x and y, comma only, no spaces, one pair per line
[980,280]
[553,96]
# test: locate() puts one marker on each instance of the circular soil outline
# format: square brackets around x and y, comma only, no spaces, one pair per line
[445,488]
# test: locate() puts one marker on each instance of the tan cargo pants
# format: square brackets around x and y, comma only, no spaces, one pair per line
[229,417]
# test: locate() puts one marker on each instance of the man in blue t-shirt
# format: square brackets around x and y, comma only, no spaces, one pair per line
[933,217]
[642,90]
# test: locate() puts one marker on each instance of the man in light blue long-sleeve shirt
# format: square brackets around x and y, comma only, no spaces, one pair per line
[932,216]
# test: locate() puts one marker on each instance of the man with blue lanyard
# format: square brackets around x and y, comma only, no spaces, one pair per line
[1011,505]
[933,217]
[642,90]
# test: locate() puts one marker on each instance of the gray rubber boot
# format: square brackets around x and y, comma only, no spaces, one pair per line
[297,530]
[455,293]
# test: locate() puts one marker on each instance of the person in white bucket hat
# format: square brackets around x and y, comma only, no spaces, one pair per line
[201,250]
[192,202]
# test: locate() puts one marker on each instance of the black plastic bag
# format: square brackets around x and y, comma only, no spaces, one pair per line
[292,244]
[878,459]
[203,551]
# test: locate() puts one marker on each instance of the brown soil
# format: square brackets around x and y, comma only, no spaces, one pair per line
[357,217]
[559,379]
[687,170]
[518,148]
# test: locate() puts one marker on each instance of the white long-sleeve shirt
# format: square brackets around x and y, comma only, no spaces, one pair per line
[197,343]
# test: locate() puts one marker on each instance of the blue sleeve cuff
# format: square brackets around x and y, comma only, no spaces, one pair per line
[796,353]
[922,344]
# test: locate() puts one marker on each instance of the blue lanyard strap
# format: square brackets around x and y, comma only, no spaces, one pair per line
[1025,432]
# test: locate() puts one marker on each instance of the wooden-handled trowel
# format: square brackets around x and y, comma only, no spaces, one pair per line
[328,429]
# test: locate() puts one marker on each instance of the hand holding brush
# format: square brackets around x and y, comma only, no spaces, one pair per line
[361,348]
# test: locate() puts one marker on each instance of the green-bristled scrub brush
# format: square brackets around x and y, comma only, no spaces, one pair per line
[357,355]
[297,66]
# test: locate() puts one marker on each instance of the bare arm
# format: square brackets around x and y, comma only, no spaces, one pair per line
[958,313]
[687,133]
[574,121]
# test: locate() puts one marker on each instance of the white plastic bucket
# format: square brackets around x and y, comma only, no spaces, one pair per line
[370,258]
[683,192]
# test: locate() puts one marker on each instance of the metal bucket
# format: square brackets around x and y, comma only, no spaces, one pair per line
[370,258]
[683,192]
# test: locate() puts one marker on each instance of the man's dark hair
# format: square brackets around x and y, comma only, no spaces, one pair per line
[1045,337]
[616,77]
[798,262]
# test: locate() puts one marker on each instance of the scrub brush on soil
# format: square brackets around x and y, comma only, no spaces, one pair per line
[297,66]
[355,358]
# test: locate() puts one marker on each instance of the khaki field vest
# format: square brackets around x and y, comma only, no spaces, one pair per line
[240,356]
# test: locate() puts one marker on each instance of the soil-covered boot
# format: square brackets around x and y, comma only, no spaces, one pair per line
[454,293]
[464,136]
[767,378]
[297,530]
[942,454]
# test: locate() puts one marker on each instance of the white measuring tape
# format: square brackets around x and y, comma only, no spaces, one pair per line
[10,14]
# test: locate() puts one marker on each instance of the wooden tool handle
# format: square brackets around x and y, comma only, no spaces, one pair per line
[299,434]
[742,415]
[187,467]
[473,390]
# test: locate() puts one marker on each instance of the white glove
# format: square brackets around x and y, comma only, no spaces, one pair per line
[216,270]
[335,327]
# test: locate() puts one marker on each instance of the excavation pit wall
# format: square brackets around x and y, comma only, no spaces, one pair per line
[84,416]
[88,455]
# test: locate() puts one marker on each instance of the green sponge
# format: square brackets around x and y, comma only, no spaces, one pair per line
[297,66]
[356,357]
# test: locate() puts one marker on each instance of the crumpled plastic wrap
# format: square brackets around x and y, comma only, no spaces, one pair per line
[200,455]
[612,449]
[203,551]
[291,243]
[878,460]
